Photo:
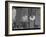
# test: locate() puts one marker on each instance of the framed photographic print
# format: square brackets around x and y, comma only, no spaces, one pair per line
[24,18]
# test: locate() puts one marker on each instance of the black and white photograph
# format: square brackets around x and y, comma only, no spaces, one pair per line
[24,18]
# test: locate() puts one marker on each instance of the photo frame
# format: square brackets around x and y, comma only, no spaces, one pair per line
[24,18]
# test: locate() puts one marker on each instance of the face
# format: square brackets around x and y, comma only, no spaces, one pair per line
[32,18]
[25,18]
